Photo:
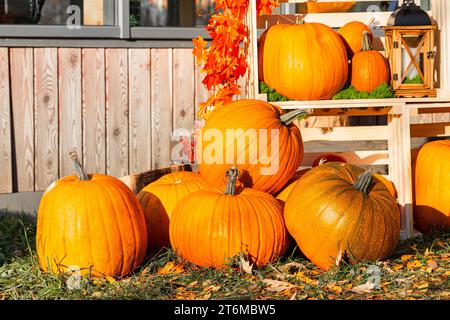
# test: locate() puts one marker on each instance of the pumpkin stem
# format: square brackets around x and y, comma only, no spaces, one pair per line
[232,175]
[82,174]
[288,118]
[364,182]
[366,43]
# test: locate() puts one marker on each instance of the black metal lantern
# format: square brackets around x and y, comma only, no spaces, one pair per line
[409,14]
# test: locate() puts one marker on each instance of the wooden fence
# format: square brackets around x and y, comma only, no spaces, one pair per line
[117,107]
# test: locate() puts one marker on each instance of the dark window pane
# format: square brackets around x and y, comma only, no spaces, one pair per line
[171,13]
[57,12]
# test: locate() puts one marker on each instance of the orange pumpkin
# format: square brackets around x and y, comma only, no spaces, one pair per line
[331,7]
[258,137]
[432,187]
[305,61]
[352,34]
[91,222]
[339,210]
[389,184]
[159,199]
[286,191]
[369,68]
[328,157]
[211,226]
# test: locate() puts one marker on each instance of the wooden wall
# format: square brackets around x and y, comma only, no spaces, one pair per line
[117,107]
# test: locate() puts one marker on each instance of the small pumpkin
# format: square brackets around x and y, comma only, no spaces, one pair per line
[331,7]
[304,61]
[352,34]
[91,222]
[432,187]
[328,157]
[158,200]
[370,68]
[211,226]
[258,137]
[339,210]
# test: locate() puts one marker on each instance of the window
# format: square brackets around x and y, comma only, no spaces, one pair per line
[149,19]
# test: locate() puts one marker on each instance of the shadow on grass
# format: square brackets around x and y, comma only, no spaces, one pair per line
[17,236]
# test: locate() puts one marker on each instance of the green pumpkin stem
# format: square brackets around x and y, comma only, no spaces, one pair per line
[288,118]
[232,175]
[82,174]
[364,182]
[366,43]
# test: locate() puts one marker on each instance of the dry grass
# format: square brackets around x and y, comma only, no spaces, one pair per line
[420,269]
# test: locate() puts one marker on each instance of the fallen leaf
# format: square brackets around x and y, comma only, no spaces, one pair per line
[294,296]
[192,284]
[246,266]
[413,264]
[171,268]
[406,257]
[432,264]
[339,258]
[291,268]
[397,267]
[277,286]
[364,288]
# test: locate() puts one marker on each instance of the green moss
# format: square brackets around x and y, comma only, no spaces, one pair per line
[416,80]
[384,91]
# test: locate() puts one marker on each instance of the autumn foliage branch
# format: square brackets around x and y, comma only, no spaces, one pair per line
[224,61]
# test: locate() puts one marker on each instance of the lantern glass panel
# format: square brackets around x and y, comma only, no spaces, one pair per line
[412,59]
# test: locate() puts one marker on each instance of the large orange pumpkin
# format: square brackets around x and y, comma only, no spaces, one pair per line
[159,199]
[352,34]
[287,189]
[304,61]
[258,137]
[432,187]
[338,210]
[211,226]
[93,223]
[369,68]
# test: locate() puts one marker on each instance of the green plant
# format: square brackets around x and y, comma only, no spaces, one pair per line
[384,91]
[416,80]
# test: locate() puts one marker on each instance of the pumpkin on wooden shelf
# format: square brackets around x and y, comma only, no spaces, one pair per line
[159,199]
[339,210]
[304,61]
[91,222]
[331,7]
[258,137]
[210,227]
[432,187]
[370,68]
[352,34]
[328,157]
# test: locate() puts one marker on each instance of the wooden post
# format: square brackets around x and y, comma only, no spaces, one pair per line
[441,13]
[400,170]
[252,59]
[93,13]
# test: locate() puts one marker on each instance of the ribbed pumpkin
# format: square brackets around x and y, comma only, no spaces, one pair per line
[432,187]
[337,210]
[258,121]
[287,189]
[305,61]
[159,199]
[92,222]
[352,34]
[369,68]
[211,226]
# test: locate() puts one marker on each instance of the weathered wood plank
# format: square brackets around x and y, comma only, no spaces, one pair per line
[94,116]
[345,133]
[46,116]
[201,93]
[183,98]
[117,112]
[317,146]
[162,108]
[22,98]
[70,125]
[5,125]
[140,111]
[93,13]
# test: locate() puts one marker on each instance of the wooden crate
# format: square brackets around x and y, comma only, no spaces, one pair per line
[387,149]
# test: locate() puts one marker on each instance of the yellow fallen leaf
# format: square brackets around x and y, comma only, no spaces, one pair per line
[413,264]
[406,257]
[397,267]
[277,286]
[171,268]
[432,264]
[364,288]
[110,279]
[447,274]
